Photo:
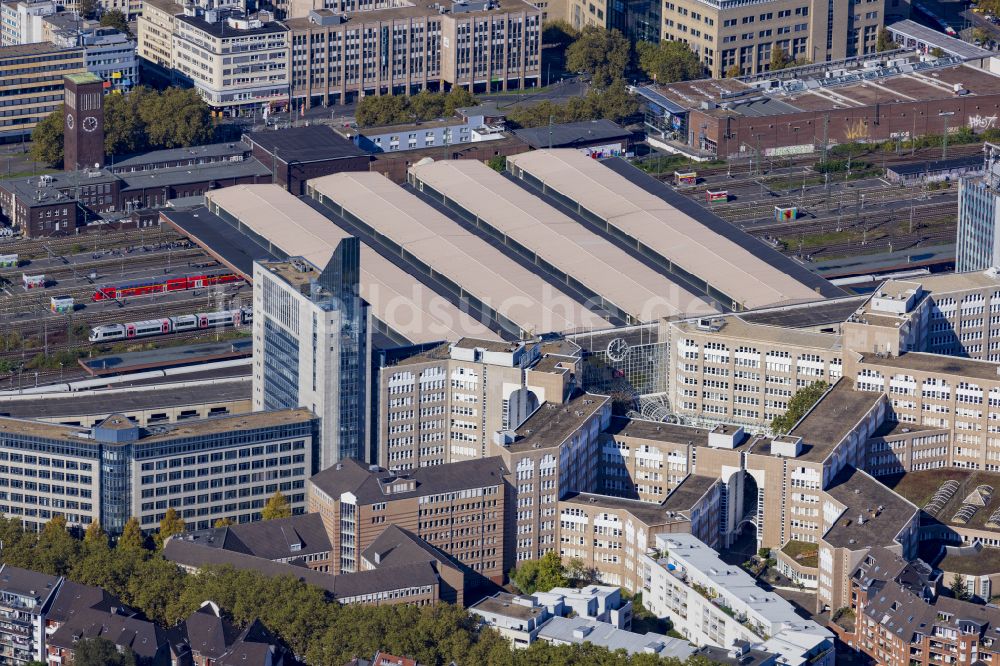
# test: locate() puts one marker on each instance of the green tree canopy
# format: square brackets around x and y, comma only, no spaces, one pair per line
[277,507]
[559,34]
[602,54]
[114,18]
[669,61]
[47,139]
[87,8]
[540,575]
[101,652]
[497,163]
[779,59]
[223,522]
[733,71]
[801,402]
[959,589]
[374,110]
[613,102]
[884,41]
[57,550]
[457,98]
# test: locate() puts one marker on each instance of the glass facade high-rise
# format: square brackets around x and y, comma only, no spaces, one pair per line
[311,346]
[978,243]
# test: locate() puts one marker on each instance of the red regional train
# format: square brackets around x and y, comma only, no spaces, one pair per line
[163,284]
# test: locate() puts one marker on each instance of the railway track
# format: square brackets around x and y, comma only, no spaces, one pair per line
[104,240]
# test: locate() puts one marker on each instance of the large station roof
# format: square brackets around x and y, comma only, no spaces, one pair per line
[555,238]
[397,300]
[456,254]
[684,241]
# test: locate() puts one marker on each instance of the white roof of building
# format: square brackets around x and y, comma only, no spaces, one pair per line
[478,268]
[570,247]
[674,235]
[565,630]
[397,300]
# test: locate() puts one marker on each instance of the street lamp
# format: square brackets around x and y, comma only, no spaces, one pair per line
[944,146]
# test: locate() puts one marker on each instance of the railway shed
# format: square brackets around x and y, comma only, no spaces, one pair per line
[688,242]
[461,265]
[931,171]
[527,226]
[281,225]
[167,357]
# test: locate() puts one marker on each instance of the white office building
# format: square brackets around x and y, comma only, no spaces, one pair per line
[713,603]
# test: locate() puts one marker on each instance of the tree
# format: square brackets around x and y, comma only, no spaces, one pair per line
[801,402]
[457,98]
[559,34]
[114,18]
[87,8]
[497,163]
[733,71]
[980,35]
[101,652]
[132,539]
[376,110]
[223,522]
[936,52]
[959,589]
[124,131]
[779,59]
[47,139]
[669,61]
[884,41]
[276,507]
[540,575]
[175,117]
[426,105]
[614,102]
[601,54]
[57,550]
[170,525]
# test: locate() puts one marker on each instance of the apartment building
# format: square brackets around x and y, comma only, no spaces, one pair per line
[22,21]
[714,603]
[458,508]
[444,405]
[31,84]
[553,453]
[238,63]
[896,616]
[403,47]
[733,369]
[25,599]
[610,534]
[205,469]
[311,345]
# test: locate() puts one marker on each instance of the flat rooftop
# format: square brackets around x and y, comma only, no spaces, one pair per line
[315,143]
[920,487]
[572,135]
[832,418]
[208,151]
[223,424]
[807,315]
[565,630]
[454,253]
[736,327]
[516,214]
[689,492]
[36,48]
[885,513]
[422,9]
[675,228]
[937,364]
[670,433]
[647,512]
[167,357]
[136,398]
[505,604]
[551,424]
[294,228]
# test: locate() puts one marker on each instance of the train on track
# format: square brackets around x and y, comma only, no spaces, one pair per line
[168,325]
[164,284]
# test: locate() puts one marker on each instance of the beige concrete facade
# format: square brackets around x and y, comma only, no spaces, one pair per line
[444,405]
[408,47]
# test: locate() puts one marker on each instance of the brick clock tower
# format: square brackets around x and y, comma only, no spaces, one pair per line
[83,122]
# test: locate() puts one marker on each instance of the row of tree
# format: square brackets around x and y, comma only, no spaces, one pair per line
[375,110]
[318,630]
[143,119]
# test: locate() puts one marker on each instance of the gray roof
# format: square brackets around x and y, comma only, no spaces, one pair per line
[832,418]
[884,512]
[221,30]
[269,539]
[395,546]
[648,512]
[367,485]
[833,311]
[314,143]
[563,629]
[751,657]
[192,174]
[503,603]
[169,356]
[570,135]
[690,491]
[174,154]
[75,597]
[657,431]
[208,634]
[143,637]
[936,38]
[551,424]
[27,583]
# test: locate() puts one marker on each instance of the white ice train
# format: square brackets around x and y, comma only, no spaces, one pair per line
[168,325]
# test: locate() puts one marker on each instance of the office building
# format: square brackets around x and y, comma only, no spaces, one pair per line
[21,21]
[110,54]
[978,244]
[459,508]
[444,405]
[713,603]
[196,44]
[420,45]
[312,345]
[31,78]
[224,467]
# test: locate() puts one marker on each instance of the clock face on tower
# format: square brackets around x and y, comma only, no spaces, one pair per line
[89,124]
[69,120]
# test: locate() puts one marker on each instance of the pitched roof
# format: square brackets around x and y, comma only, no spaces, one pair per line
[371,485]
[141,636]
[279,539]
[209,634]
